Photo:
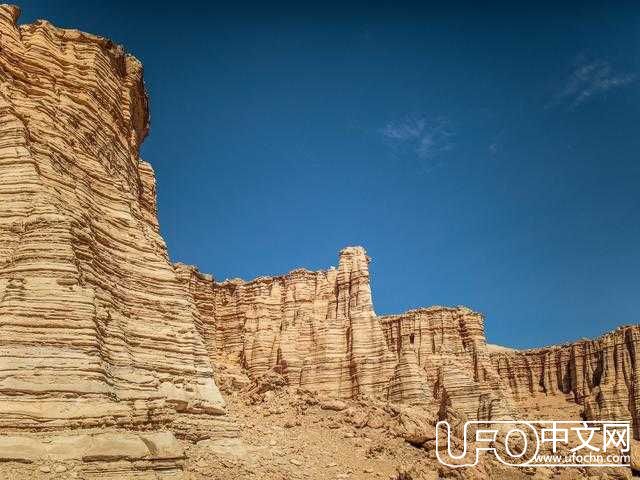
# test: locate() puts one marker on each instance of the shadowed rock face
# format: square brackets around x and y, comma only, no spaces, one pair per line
[99,329]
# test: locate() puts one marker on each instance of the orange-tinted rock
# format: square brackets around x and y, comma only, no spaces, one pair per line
[449,346]
[319,330]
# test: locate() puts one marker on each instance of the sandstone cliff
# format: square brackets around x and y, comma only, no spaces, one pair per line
[302,326]
[596,379]
[108,351]
[95,328]
[448,345]
[319,330]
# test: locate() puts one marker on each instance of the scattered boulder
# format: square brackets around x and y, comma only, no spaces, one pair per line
[334,405]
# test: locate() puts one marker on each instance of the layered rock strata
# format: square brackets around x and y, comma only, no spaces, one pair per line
[304,326]
[107,350]
[95,327]
[319,330]
[94,456]
[601,377]
[447,347]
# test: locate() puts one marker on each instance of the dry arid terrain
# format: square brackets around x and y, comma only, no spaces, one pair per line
[116,363]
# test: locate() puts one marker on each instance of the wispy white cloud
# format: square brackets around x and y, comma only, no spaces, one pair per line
[420,136]
[589,79]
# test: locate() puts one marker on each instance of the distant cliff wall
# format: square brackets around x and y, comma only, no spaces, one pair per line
[319,330]
[449,346]
[600,376]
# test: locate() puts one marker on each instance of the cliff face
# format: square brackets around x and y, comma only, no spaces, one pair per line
[107,349]
[95,328]
[448,347]
[598,379]
[319,330]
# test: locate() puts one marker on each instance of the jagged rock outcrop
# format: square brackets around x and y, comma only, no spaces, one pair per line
[318,329]
[439,355]
[95,328]
[597,379]
[303,326]
[449,347]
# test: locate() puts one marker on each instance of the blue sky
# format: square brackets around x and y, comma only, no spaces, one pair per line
[484,155]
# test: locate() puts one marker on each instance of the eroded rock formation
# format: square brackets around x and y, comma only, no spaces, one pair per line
[449,348]
[304,325]
[108,351]
[318,329]
[95,328]
[597,379]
